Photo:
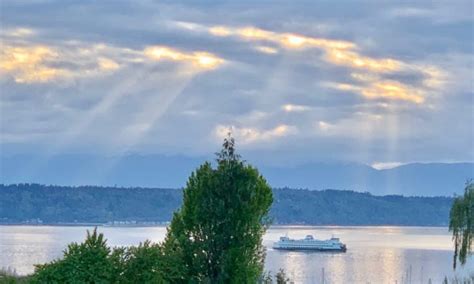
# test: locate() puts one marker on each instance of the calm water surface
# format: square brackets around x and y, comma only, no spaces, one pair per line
[374,255]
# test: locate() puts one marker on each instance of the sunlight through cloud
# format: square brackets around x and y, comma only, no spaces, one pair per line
[29,64]
[355,60]
[390,90]
[295,108]
[346,54]
[386,165]
[202,60]
[107,64]
[266,49]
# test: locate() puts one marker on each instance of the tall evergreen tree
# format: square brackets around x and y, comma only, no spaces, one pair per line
[462,224]
[217,233]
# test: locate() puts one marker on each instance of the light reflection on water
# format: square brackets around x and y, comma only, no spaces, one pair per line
[374,255]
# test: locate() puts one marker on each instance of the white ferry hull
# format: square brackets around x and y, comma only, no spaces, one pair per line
[310,244]
[340,249]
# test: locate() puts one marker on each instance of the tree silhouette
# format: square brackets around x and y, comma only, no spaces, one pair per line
[462,224]
[217,233]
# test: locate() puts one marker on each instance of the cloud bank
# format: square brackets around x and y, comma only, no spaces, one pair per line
[294,82]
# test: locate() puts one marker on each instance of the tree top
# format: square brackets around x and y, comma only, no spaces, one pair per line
[227,152]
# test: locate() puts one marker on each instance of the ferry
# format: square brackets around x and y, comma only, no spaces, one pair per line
[310,243]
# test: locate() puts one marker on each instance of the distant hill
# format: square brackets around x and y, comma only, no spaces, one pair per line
[33,203]
[434,179]
[172,172]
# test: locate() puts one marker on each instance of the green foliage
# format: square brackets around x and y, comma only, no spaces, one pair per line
[88,262]
[462,224]
[281,277]
[217,234]
[266,278]
[142,264]
[94,262]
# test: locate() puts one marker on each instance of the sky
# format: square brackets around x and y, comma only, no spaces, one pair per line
[375,82]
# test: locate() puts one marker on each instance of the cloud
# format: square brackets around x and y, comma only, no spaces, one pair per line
[341,53]
[286,40]
[19,32]
[324,126]
[354,60]
[248,135]
[32,63]
[107,64]
[410,12]
[438,12]
[295,108]
[29,62]
[266,49]
[202,60]
[390,90]
[386,165]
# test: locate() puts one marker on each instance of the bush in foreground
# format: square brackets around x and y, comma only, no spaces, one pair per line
[94,262]
[89,262]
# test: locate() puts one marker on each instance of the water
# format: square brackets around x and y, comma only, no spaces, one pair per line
[374,255]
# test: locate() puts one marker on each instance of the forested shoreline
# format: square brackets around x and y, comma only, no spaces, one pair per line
[42,204]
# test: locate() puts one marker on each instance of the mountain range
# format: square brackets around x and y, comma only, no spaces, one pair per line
[417,179]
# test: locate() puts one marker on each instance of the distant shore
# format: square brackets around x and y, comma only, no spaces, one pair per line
[95,205]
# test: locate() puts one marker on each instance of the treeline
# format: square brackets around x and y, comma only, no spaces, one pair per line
[32,203]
